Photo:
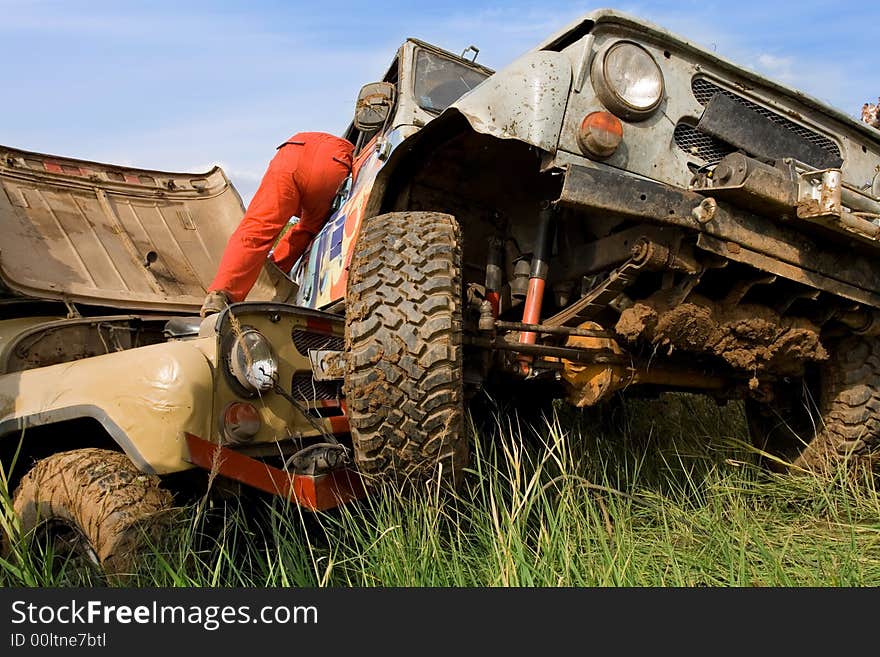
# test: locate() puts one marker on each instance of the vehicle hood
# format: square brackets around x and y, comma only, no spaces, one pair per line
[106,235]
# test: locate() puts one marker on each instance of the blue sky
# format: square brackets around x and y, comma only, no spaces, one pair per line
[184,85]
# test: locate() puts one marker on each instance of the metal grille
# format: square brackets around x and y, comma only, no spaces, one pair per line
[704,90]
[307,340]
[698,144]
[304,388]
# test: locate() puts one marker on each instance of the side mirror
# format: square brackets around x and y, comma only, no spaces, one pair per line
[374,103]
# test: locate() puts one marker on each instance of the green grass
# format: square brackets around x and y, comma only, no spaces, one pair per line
[661,493]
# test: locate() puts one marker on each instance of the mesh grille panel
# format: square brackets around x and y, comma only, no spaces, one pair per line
[693,142]
[704,90]
[306,340]
[304,388]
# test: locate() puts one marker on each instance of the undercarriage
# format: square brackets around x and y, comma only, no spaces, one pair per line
[602,280]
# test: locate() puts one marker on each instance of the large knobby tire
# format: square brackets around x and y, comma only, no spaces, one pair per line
[403,383]
[831,420]
[99,494]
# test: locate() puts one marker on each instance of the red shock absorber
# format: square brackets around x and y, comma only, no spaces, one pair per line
[538,273]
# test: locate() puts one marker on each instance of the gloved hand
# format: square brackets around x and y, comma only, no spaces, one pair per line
[214,303]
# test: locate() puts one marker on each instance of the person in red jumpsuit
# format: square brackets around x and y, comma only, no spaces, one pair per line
[301,181]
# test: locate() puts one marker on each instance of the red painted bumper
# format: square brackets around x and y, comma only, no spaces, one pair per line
[315,493]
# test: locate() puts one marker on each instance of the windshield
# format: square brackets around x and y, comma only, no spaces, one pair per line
[440,81]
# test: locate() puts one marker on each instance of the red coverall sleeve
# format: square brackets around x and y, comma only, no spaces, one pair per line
[275,202]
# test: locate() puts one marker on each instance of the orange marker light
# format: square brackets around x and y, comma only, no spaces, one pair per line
[600,134]
[241,422]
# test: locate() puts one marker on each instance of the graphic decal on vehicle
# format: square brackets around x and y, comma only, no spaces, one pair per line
[322,271]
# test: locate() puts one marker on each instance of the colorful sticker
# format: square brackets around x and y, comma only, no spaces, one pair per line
[322,272]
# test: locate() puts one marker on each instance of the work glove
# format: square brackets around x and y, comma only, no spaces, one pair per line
[214,303]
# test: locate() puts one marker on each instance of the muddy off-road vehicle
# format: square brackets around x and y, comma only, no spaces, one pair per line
[617,208]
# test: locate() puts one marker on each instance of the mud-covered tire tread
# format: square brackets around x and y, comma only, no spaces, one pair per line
[839,424]
[403,384]
[103,495]
[849,407]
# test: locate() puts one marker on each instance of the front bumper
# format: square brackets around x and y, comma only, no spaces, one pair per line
[313,492]
[743,236]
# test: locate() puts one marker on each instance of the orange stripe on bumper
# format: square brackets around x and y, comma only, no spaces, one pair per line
[315,493]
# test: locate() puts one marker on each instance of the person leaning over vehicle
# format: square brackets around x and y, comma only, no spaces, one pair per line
[301,181]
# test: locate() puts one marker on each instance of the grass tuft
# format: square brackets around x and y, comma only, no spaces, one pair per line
[659,493]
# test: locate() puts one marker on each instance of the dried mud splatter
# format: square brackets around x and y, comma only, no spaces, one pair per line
[748,337]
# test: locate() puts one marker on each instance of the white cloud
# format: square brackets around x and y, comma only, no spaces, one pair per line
[773,62]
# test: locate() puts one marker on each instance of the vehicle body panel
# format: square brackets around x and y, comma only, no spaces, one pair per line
[527,102]
[147,398]
[11,329]
[282,325]
[98,234]
[144,398]
[647,30]
[647,149]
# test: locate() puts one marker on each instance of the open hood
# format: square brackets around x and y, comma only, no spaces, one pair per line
[112,236]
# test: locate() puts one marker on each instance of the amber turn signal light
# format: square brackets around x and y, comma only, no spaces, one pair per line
[600,134]
[241,422]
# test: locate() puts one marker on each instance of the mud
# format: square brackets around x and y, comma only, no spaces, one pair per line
[751,338]
[116,508]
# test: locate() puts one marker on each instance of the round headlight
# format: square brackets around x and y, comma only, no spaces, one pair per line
[252,361]
[628,81]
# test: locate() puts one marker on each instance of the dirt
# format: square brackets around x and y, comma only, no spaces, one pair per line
[335,368]
[103,496]
[748,337]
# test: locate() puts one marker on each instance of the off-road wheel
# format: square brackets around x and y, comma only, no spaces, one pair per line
[403,383]
[97,502]
[829,417]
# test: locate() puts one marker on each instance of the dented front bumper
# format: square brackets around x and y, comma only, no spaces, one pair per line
[317,492]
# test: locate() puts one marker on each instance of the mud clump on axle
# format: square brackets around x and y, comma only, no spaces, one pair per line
[751,338]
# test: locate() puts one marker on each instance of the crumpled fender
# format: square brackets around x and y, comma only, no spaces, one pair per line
[146,398]
[526,100]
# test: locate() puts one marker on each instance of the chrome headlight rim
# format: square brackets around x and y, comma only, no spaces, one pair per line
[251,376]
[611,98]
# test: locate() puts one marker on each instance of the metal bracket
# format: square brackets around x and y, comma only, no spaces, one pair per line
[327,364]
[383,149]
[72,312]
[473,49]
[821,197]
[819,194]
